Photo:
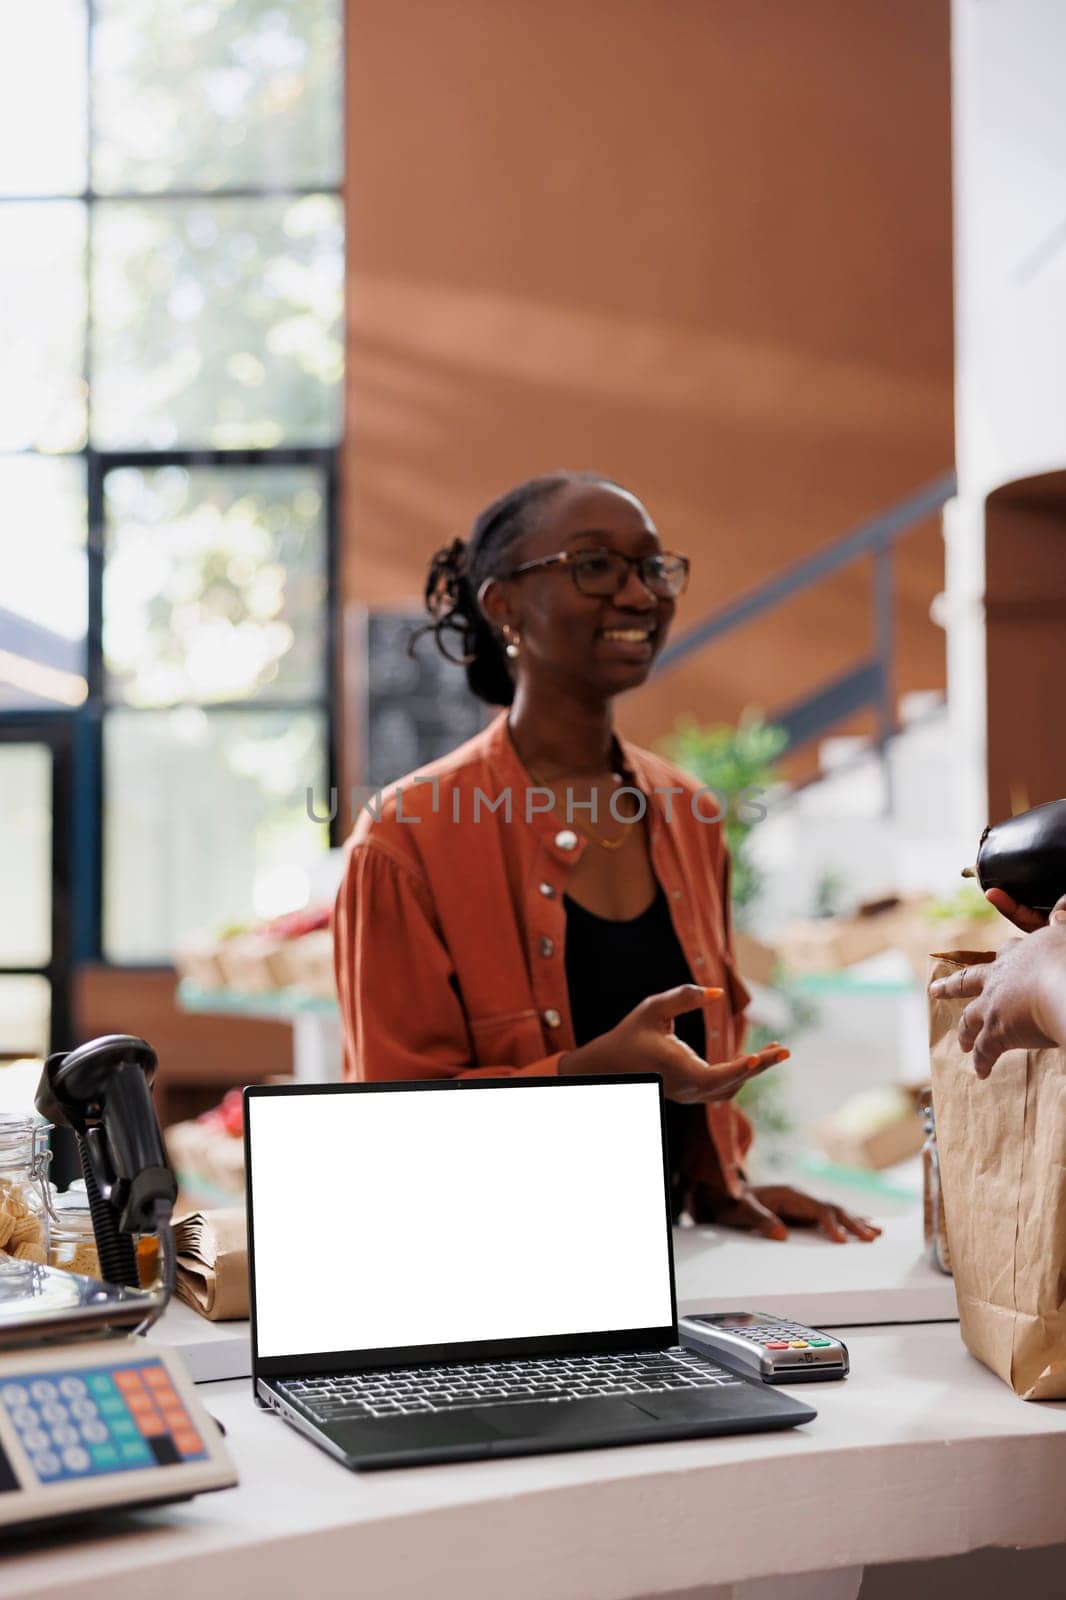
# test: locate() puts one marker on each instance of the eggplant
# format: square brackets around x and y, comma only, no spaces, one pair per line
[1025,856]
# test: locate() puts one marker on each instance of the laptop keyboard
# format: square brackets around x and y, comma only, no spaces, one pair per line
[402,1390]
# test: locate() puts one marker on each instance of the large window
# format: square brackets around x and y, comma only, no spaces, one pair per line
[172,258]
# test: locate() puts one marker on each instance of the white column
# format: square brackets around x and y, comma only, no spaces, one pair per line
[1009,162]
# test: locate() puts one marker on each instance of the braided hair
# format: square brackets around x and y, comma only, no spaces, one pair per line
[460,629]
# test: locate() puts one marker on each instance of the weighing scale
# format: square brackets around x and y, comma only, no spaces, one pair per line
[91,1418]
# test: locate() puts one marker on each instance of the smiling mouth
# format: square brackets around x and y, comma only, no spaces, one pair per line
[628,635]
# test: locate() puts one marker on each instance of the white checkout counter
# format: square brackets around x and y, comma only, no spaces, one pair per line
[921,1453]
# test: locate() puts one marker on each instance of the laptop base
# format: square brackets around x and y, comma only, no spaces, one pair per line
[539,1428]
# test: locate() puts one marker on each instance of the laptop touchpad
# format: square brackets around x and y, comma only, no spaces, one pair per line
[416,1432]
[574,1419]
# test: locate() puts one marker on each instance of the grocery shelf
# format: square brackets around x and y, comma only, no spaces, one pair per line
[314,1019]
[849,983]
[889,973]
[275,1005]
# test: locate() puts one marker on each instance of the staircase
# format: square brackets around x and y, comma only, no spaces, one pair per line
[877,819]
[867,685]
[877,814]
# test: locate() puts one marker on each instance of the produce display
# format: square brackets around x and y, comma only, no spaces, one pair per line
[873,1129]
[207,1153]
[294,952]
[917,924]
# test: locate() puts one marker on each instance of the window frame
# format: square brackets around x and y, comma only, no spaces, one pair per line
[57,731]
[90,865]
[81,940]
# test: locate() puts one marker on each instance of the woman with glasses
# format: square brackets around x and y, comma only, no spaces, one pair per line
[548,898]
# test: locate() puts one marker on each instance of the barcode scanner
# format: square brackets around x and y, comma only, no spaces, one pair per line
[103,1092]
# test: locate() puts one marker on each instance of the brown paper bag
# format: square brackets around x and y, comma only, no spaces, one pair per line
[1003,1174]
[212,1252]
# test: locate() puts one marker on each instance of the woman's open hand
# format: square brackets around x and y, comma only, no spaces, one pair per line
[645,1041]
[770,1210]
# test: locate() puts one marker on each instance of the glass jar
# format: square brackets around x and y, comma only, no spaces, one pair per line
[24,1203]
[73,1246]
[935,1225]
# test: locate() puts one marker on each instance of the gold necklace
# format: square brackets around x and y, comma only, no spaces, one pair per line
[605,844]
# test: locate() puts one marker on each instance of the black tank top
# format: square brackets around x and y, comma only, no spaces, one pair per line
[610,968]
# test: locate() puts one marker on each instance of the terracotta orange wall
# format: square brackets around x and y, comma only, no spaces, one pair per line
[701,245]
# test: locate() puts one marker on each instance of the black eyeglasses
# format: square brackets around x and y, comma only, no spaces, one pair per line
[605,573]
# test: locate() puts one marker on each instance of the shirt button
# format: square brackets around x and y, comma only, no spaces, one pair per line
[698,962]
[675,894]
[552,1019]
[546,890]
[566,839]
[716,1033]
[547,947]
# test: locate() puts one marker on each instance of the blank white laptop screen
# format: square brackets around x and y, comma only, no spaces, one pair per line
[388,1219]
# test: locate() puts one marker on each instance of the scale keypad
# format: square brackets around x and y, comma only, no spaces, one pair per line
[89,1422]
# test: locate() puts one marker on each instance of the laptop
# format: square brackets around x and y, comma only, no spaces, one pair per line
[477,1267]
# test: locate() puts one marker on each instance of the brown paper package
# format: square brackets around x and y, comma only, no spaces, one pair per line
[1003,1176]
[212,1252]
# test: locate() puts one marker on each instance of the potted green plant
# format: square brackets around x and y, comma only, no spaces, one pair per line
[741,764]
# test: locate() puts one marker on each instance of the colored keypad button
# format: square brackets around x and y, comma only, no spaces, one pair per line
[797,1344]
[76,1424]
[820,1344]
[776,1344]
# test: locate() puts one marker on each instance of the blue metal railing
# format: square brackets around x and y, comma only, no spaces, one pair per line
[870,683]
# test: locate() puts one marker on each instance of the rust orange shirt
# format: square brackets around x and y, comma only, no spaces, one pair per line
[449,926]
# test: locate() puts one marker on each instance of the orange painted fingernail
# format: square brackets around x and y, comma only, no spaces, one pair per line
[713,994]
[753,1061]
